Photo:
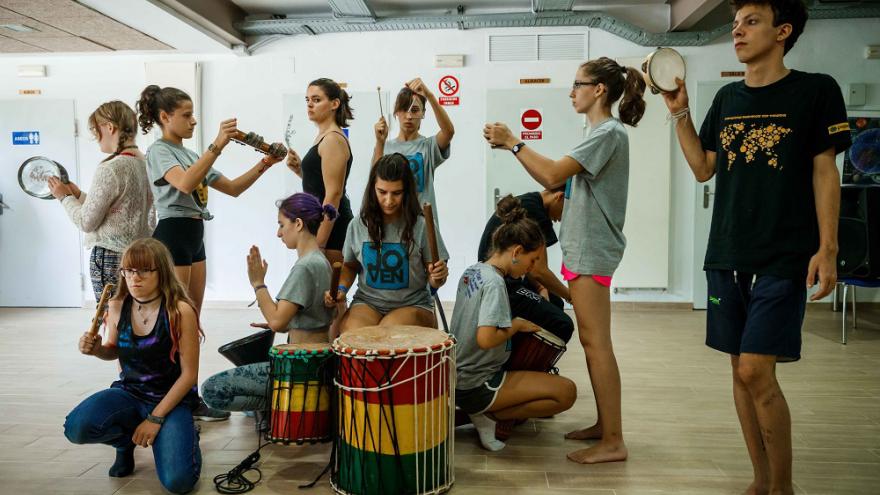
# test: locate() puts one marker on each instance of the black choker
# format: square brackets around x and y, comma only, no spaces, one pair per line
[148,301]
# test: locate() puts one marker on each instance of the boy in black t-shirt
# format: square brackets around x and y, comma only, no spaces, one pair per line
[770,141]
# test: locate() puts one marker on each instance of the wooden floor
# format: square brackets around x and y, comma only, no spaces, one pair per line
[679,421]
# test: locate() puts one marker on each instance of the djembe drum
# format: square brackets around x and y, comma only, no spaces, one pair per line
[396,390]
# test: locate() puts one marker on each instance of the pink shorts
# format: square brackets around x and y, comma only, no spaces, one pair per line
[569,275]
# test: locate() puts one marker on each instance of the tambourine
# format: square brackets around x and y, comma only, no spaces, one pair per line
[660,69]
[255,140]
[34,173]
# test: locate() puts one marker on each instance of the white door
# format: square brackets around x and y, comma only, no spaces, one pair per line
[704,195]
[561,130]
[40,263]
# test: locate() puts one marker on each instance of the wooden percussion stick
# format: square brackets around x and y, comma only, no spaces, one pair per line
[379,92]
[334,279]
[99,313]
[428,212]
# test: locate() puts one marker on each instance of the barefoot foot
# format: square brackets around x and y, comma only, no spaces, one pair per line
[600,453]
[592,433]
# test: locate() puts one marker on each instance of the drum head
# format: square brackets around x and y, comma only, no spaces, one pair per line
[662,67]
[391,339]
[550,338]
[34,173]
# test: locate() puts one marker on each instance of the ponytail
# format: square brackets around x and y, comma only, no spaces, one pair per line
[334,91]
[620,81]
[154,100]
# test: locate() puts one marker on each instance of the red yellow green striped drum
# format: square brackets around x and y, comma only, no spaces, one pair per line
[300,376]
[396,387]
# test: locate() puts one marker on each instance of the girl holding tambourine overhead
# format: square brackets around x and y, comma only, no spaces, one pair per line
[596,175]
[119,206]
[153,331]
[425,153]
[387,249]
[325,167]
[180,179]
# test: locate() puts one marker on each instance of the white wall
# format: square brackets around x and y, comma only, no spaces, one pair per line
[251,88]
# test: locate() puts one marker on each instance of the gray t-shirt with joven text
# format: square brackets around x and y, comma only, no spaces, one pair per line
[390,277]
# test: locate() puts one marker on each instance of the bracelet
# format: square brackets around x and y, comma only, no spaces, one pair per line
[342,288]
[675,117]
[261,286]
[155,419]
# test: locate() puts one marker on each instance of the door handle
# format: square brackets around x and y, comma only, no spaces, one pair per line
[706,195]
[3,205]
[497,196]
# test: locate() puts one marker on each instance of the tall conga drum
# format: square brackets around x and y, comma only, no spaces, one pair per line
[396,390]
[300,378]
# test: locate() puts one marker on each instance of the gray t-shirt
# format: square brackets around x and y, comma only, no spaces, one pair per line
[390,277]
[480,301]
[424,156]
[591,234]
[305,286]
[162,156]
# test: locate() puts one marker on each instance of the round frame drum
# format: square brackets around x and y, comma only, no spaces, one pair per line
[660,69]
[34,173]
[396,389]
[300,376]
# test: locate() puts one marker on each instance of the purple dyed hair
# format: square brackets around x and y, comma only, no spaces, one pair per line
[308,208]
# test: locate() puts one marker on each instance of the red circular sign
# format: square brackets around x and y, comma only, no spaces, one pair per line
[531,119]
[448,85]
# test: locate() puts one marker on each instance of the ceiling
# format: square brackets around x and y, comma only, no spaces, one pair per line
[39,26]
[390,8]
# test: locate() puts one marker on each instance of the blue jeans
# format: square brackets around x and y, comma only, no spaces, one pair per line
[111,416]
[239,389]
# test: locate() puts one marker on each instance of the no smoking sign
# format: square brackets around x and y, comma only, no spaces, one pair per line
[531,121]
[449,87]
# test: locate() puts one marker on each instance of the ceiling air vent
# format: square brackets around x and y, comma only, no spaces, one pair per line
[531,48]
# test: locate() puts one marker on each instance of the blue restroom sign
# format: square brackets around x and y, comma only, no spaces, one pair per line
[20,138]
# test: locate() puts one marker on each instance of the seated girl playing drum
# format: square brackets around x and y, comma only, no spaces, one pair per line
[299,311]
[387,248]
[153,330]
[482,325]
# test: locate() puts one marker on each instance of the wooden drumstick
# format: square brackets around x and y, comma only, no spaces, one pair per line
[334,279]
[428,212]
[379,92]
[99,313]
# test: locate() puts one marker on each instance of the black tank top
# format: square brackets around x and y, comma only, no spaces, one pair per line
[313,177]
[147,370]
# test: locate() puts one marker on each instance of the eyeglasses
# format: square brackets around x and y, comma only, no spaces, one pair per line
[577,84]
[143,272]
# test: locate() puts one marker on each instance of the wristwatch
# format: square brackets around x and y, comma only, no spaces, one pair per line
[155,419]
[214,149]
[516,147]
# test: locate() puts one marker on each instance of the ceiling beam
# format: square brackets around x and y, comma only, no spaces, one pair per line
[217,16]
[684,14]
[552,5]
[351,8]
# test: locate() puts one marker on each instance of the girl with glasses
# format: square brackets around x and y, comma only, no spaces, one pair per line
[596,175]
[153,331]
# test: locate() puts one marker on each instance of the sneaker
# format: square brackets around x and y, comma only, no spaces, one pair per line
[205,413]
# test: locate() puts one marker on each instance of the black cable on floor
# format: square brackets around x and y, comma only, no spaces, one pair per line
[235,480]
